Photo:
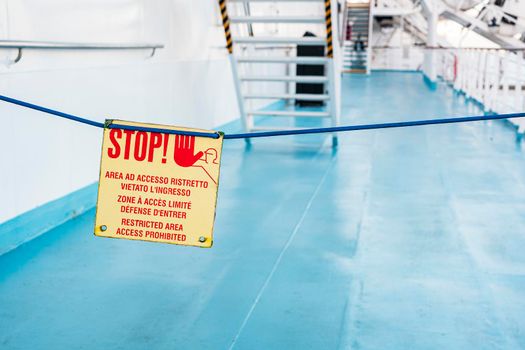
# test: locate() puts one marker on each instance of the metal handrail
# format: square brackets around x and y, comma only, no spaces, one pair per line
[51,45]
[512,49]
[342,27]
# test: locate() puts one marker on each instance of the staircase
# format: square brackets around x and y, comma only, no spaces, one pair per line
[356,46]
[263,41]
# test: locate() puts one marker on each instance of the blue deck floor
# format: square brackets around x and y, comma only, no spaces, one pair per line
[402,239]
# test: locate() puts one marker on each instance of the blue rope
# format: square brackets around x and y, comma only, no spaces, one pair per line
[51,111]
[216,135]
[374,126]
[102,125]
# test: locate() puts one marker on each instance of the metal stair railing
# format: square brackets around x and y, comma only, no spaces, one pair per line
[250,54]
[359,21]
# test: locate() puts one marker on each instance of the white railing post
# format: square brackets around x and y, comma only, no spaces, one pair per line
[247,124]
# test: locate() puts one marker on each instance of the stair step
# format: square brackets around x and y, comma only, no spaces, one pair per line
[350,47]
[280,40]
[305,97]
[302,79]
[273,128]
[358,5]
[277,19]
[291,114]
[300,60]
[355,70]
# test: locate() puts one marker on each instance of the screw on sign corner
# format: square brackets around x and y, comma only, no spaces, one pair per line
[103,228]
[202,239]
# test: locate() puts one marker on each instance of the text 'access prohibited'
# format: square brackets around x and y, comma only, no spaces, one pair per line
[158,187]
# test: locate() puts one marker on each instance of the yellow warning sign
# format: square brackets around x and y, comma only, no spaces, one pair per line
[157,186]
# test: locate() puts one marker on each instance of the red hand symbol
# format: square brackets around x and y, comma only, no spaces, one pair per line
[184,148]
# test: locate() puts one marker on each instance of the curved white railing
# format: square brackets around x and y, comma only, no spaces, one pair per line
[494,77]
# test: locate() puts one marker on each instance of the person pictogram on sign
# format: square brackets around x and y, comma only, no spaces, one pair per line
[210,156]
[184,151]
[207,161]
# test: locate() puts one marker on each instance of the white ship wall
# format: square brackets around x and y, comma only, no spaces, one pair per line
[187,83]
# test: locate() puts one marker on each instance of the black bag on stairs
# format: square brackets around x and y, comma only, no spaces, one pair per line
[309,70]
